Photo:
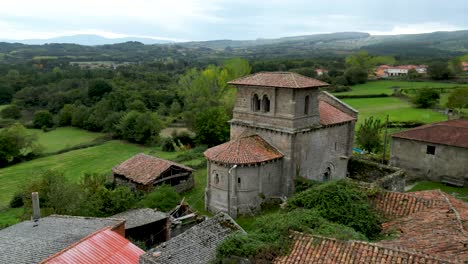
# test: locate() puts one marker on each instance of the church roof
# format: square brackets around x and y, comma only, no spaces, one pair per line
[330,115]
[244,150]
[143,168]
[278,79]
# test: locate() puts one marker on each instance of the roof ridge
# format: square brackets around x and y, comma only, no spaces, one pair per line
[455,211]
[294,79]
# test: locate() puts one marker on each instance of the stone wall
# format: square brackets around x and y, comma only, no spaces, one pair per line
[377,175]
[447,161]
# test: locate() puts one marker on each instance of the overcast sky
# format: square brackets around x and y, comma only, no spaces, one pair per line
[226,19]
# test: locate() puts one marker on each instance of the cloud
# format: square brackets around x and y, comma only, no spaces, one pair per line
[417,29]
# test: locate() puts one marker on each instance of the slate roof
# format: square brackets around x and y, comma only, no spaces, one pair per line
[330,115]
[196,245]
[315,249]
[244,150]
[451,133]
[278,79]
[431,222]
[26,243]
[144,169]
[102,247]
[140,217]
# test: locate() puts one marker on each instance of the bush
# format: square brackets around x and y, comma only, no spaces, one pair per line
[340,202]
[43,118]
[368,135]
[17,200]
[11,112]
[167,144]
[163,197]
[355,76]
[426,98]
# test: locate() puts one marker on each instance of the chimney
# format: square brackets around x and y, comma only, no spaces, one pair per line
[36,209]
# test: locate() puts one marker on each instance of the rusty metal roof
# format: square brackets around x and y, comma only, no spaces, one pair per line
[244,150]
[278,79]
[451,133]
[102,247]
[144,169]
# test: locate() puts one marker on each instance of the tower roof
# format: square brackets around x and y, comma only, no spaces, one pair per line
[244,150]
[279,79]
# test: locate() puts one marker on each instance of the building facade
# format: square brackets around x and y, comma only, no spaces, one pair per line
[282,127]
[435,152]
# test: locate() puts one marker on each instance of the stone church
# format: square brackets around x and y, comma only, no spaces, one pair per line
[283,126]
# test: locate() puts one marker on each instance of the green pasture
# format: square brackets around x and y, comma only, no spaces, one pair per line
[64,137]
[387,86]
[397,109]
[458,192]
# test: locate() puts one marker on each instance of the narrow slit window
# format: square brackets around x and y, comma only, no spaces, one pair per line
[306,105]
[266,104]
[255,103]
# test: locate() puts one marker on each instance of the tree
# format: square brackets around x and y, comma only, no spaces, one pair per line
[17,143]
[65,115]
[455,65]
[211,126]
[99,87]
[439,71]
[426,98]
[12,111]
[141,128]
[43,118]
[163,198]
[458,99]
[6,93]
[137,105]
[355,75]
[413,74]
[368,135]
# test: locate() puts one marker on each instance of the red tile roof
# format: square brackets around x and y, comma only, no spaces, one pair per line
[243,150]
[451,133]
[144,169]
[102,247]
[315,249]
[330,115]
[431,222]
[278,79]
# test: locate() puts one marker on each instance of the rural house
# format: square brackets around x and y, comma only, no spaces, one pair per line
[424,227]
[196,245]
[102,247]
[384,71]
[35,241]
[143,172]
[438,152]
[283,126]
[146,225]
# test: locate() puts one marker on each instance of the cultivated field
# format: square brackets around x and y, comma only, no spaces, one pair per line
[64,137]
[397,109]
[387,87]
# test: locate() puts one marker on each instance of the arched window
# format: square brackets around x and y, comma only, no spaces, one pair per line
[255,103]
[266,104]
[306,105]
[216,179]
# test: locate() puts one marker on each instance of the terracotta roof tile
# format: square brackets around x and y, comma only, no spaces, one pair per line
[278,79]
[143,168]
[330,115]
[315,249]
[243,150]
[452,133]
[431,222]
[103,247]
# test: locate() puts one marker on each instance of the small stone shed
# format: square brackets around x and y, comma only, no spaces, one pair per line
[147,225]
[143,172]
[438,152]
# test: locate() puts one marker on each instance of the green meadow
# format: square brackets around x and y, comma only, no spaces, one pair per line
[64,137]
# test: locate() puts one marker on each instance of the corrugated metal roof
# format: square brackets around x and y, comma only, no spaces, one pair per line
[103,247]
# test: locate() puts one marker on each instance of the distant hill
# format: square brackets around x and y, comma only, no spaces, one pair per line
[88,40]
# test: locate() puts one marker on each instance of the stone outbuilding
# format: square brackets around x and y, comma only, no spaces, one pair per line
[143,172]
[283,126]
[438,152]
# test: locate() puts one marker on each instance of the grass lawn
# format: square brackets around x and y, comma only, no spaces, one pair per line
[458,192]
[64,137]
[397,109]
[385,86]
[10,216]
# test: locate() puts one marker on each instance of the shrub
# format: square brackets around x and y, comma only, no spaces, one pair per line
[167,144]
[368,135]
[11,112]
[341,202]
[163,197]
[426,98]
[17,200]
